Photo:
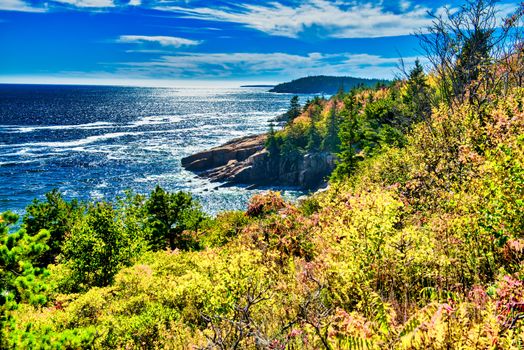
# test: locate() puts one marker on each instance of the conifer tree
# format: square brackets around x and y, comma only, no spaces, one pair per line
[294,109]
[331,141]
[171,214]
[314,139]
[417,97]
[348,135]
[20,281]
[271,143]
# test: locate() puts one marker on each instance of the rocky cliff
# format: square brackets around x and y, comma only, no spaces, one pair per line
[246,161]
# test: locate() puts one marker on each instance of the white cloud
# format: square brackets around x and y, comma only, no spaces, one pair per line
[162,40]
[337,19]
[18,5]
[223,65]
[88,3]
[404,5]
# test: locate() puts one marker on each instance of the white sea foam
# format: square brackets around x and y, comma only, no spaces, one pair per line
[155,120]
[75,143]
[33,128]
[145,121]
[96,195]
[109,153]
[23,152]
[157,178]
[18,162]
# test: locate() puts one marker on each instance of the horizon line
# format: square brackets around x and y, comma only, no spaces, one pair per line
[157,83]
[151,83]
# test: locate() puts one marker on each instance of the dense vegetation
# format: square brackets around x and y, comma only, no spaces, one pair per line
[324,84]
[417,244]
[354,125]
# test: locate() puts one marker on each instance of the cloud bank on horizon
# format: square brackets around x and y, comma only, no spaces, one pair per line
[246,40]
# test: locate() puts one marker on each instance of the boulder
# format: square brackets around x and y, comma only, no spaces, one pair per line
[246,161]
[238,149]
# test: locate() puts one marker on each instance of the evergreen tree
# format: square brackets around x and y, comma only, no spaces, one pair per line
[294,109]
[341,90]
[331,141]
[171,214]
[349,139]
[272,144]
[472,59]
[417,97]
[20,281]
[306,105]
[314,139]
[290,154]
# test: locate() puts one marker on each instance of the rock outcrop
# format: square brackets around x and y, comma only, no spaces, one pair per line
[236,150]
[246,161]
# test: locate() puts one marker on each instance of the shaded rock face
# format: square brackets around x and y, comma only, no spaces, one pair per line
[235,150]
[246,161]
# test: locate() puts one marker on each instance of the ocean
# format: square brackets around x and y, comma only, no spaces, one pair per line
[96,142]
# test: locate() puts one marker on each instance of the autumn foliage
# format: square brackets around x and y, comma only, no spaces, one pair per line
[417,244]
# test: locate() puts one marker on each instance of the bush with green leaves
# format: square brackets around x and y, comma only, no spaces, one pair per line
[418,245]
[57,216]
[104,241]
[225,227]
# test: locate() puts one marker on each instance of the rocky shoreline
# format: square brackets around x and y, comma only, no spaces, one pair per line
[245,161]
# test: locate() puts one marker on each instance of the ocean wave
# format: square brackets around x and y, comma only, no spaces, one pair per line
[18,162]
[145,121]
[75,143]
[33,128]
[105,149]
[155,120]
[141,122]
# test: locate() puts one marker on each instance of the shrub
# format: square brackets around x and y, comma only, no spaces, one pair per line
[100,244]
[264,204]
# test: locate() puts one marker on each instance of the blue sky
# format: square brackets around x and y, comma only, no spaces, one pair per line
[161,42]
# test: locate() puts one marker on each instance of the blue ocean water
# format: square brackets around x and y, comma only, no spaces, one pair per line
[95,142]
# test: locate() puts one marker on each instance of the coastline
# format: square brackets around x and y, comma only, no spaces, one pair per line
[246,161]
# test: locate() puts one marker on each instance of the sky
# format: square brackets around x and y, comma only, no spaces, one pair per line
[197,42]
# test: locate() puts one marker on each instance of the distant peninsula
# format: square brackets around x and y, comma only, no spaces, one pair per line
[324,84]
[257,86]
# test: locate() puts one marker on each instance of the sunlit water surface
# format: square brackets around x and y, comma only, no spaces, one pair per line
[96,142]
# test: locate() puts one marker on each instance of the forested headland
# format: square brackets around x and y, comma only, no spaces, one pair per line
[328,85]
[417,244]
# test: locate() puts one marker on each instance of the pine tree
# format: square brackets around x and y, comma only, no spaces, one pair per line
[417,96]
[314,139]
[172,213]
[341,90]
[348,135]
[294,109]
[20,281]
[290,154]
[271,143]
[331,141]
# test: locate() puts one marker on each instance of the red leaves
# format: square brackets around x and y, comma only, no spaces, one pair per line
[264,204]
[510,303]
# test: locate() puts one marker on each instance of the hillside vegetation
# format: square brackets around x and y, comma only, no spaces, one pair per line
[324,84]
[417,244]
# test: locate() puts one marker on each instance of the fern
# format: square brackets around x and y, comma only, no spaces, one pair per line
[382,313]
[357,343]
